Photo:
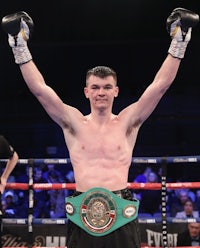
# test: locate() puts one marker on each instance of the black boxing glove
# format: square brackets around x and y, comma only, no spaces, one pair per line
[18,27]
[179,24]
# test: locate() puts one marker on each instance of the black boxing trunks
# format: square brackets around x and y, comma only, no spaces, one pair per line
[100,211]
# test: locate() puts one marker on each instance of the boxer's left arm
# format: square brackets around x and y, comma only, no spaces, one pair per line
[139,111]
[179,26]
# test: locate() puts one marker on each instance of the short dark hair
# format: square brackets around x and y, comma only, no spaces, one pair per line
[101,72]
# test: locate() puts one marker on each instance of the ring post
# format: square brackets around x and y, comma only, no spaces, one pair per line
[163,202]
[31,203]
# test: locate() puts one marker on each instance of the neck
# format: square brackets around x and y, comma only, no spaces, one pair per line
[101,117]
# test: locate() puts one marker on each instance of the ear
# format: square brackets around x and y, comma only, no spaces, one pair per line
[86,92]
[116,91]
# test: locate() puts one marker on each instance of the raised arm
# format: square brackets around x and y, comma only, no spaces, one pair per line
[53,105]
[19,26]
[179,25]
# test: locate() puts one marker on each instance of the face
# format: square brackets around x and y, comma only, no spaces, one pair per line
[194,229]
[38,175]
[183,197]
[101,92]
[152,177]
[188,207]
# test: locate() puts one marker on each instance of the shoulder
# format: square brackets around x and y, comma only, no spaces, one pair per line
[196,214]
[2,139]
[3,142]
[183,238]
[180,214]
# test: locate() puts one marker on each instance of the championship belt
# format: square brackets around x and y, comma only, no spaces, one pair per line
[99,211]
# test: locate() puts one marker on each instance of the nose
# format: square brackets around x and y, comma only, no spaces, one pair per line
[101,92]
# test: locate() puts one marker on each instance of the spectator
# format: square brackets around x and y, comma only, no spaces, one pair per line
[188,211]
[70,179]
[197,202]
[57,197]
[190,237]
[179,201]
[150,196]
[11,179]
[141,178]
[6,213]
[50,168]
[9,207]
[23,195]
[41,199]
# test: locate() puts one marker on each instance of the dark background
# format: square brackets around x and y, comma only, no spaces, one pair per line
[71,36]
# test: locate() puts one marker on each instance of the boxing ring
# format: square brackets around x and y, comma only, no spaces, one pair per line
[162,237]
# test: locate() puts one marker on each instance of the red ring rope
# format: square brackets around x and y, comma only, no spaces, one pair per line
[72,186]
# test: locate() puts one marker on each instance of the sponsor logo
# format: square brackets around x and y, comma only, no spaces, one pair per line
[98,212]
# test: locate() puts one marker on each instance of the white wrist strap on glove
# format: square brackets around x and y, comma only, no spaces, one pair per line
[22,55]
[179,41]
[19,44]
[177,49]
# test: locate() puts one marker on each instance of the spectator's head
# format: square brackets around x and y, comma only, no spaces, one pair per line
[152,177]
[194,229]
[53,177]
[9,197]
[38,174]
[183,196]
[188,207]
[9,194]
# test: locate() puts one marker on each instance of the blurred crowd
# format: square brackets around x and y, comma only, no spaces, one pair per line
[47,203]
[181,203]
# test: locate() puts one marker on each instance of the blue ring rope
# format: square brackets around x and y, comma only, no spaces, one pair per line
[135,160]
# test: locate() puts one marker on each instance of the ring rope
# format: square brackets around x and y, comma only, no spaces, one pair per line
[135,160]
[153,186]
[72,186]
[63,221]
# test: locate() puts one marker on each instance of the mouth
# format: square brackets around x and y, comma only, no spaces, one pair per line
[101,100]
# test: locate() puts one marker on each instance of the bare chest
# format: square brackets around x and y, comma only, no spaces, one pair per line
[103,141]
[97,142]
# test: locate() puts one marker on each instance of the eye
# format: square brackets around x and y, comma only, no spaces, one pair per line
[94,87]
[107,87]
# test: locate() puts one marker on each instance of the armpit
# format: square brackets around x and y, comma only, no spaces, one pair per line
[68,126]
[134,125]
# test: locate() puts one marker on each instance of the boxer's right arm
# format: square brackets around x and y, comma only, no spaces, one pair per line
[18,26]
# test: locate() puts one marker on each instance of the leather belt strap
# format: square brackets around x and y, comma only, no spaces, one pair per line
[99,211]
